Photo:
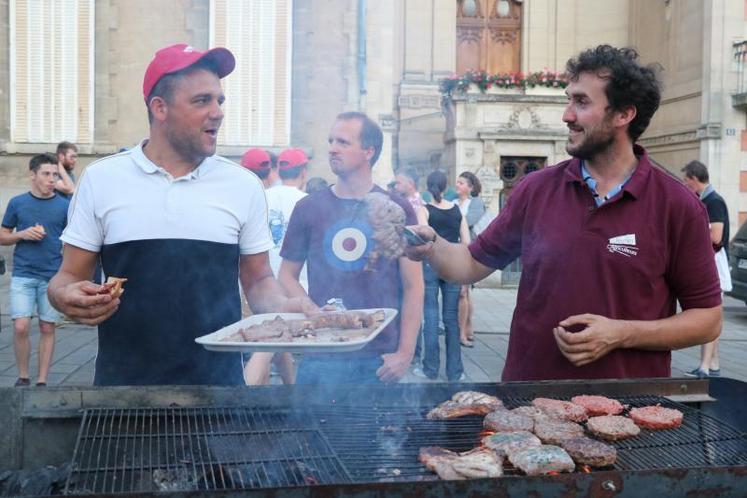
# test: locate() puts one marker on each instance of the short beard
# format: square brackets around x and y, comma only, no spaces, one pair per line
[591,147]
[186,149]
[596,142]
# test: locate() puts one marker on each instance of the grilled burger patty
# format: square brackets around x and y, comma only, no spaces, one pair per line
[612,427]
[505,443]
[589,451]
[598,405]
[656,417]
[506,421]
[564,410]
[555,431]
[542,460]
[531,411]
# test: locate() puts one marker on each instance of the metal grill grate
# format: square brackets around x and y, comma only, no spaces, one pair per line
[198,448]
[388,451]
[219,448]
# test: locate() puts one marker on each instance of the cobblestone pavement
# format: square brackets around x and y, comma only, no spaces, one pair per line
[75,348]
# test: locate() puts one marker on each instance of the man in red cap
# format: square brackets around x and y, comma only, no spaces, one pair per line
[182,225]
[259,162]
[281,199]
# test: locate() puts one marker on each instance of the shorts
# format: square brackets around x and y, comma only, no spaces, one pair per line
[29,295]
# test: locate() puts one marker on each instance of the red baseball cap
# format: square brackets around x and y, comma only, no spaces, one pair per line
[290,158]
[256,160]
[176,57]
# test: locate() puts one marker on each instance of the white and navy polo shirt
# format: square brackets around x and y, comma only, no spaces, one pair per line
[178,242]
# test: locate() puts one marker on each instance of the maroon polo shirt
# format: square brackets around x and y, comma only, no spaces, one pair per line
[632,258]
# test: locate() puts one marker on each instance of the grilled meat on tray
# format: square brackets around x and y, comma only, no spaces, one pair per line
[542,460]
[465,403]
[587,451]
[282,330]
[612,427]
[473,464]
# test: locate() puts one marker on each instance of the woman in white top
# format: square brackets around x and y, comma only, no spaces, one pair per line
[468,189]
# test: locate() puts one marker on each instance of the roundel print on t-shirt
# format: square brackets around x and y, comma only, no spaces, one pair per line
[347,244]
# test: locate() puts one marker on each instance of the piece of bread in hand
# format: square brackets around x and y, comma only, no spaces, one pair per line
[113,286]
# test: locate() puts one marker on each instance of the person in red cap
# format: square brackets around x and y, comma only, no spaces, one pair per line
[281,199]
[182,225]
[259,162]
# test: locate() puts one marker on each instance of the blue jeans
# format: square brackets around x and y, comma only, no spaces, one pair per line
[450,316]
[355,370]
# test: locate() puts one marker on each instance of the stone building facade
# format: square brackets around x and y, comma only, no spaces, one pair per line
[304,61]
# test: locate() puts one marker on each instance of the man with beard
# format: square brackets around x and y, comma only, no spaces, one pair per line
[609,242]
[67,156]
[182,225]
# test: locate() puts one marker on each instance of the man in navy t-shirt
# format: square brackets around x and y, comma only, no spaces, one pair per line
[330,232]
[33,222]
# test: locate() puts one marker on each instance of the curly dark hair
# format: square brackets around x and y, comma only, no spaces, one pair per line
[629,83]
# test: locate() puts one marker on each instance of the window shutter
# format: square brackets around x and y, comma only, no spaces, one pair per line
[51,71]
[257,110]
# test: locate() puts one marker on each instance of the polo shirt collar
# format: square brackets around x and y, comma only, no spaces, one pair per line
[149,167]
[635,184]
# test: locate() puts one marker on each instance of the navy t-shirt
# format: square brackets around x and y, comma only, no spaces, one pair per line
[32,259]
[334,237]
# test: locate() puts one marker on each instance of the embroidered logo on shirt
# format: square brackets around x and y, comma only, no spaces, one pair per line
[623,244]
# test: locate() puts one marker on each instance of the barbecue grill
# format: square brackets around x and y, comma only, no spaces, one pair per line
[359,441]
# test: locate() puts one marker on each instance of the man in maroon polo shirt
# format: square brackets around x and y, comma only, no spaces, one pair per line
[609,242]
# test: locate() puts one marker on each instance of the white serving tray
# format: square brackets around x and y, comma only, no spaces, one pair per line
[213,341]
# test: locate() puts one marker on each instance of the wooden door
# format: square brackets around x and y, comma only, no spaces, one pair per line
[489,35]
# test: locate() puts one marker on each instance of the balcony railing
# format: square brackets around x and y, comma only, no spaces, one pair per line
[739,98]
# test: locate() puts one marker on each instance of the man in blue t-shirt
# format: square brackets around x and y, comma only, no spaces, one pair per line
[33,222]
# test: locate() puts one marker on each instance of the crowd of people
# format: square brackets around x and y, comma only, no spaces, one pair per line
[193,232]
